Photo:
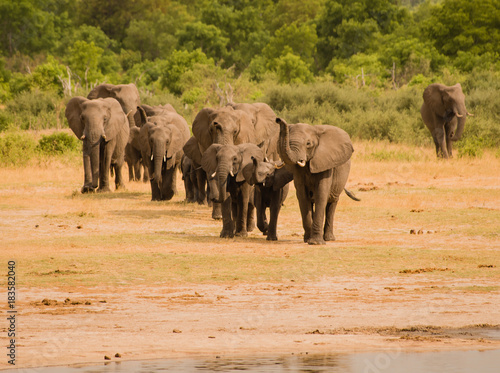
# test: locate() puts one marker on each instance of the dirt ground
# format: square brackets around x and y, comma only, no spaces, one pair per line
[416,266]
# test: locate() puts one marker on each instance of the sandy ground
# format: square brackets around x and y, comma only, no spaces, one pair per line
[60,325]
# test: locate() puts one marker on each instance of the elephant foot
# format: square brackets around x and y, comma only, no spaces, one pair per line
[226,234]
[272,237]
[121,187]
[87,189]
[104,189]
[250,226]
[329,237]
[316,241]
[216,212]
[242,234]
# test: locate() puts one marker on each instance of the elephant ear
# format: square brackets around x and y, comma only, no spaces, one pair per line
[248,153]
[334,148]
[433,97]
[249,171]
[192,150]
[247,128]
[176,141]
[73,113]
[144,141]
[100,91]
[200,128]
[281,177]
[209,159]
[116,121]
[140,117]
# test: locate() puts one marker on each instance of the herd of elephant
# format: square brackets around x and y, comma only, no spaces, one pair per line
[240,158]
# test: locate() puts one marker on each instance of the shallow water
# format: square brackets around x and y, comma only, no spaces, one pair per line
[381,362]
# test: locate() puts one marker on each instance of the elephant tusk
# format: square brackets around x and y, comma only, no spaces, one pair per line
[104,137]
[152,156]
[83,137]
[213,175]
[231,173]
[469,114]
[459,115]
[301,163]
[164,158]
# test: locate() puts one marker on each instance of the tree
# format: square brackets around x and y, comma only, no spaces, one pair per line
[462,25]
[84,60]
[292,69]
[207,38]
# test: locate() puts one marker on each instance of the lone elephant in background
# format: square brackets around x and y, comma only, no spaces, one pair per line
[444,114]
[271,189]
[162,138]
[319,158]
[224,164]
[103,127]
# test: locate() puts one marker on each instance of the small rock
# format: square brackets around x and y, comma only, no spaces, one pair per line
[211,336]
[36,226]
[420,231]
[118,355]
[79,227]
[412,231]
[106,357]
[176,331]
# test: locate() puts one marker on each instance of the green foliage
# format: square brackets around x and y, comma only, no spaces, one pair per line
[83,59]
[471,147]
[177,64]
[58,143]
[292,69]
[16,149]
[34,110]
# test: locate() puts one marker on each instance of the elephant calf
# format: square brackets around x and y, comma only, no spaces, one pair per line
[225,164]
[271,189]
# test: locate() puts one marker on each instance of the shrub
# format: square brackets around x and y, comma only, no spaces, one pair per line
[16,149]
[471,147]
[58,143]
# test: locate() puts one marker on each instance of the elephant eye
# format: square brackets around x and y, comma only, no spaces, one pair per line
[235,159]
[309,143]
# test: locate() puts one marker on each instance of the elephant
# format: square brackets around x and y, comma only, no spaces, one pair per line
[232,124]
[224,164]
[189,177]
[319,158]
[271,189]
[162,138]
[133,157]
[126,94]
[444,114]
[103,127]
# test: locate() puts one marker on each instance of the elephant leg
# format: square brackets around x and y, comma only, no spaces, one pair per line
[119,182]
[174,180]
[201,180]
[243,210]
[87,170]
[155,191]
[261,211]
[330,213]
[449,142]
[131,170]
[167,185]
[274,209]
[227,221]
[321,195]
[145,175]
[105,166]
[440,140]
[137,170]
[305,206]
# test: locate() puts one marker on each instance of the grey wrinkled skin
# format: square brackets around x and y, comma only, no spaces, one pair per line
[444,114]
[104,130]
[319,157]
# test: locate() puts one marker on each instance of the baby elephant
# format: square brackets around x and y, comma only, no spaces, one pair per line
[271,188]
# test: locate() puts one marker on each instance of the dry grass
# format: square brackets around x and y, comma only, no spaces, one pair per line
[61,238]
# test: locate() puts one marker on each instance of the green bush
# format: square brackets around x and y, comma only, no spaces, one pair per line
[16,149]
[472,147]
[58,143]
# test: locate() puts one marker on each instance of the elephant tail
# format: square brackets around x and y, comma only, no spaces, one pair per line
[351,195]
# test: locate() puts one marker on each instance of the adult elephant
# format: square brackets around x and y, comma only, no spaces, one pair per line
[103,127]
[320,159]
[444,114]
[232,124]
[224,164]
[126,94]
[162,138]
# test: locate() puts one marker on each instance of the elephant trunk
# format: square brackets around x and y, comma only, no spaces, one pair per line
[158,158]
[461,114]
[222,174]
[94,164]
[284,150]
